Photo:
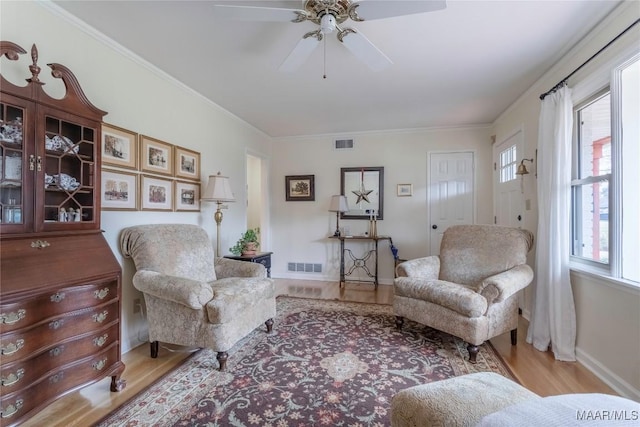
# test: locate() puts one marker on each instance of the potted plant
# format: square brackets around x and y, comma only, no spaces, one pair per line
[248,243]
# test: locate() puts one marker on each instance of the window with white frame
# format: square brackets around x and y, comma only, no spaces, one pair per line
[605,201]
[508,162]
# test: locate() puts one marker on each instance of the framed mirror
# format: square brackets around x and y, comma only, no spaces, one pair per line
[364,188]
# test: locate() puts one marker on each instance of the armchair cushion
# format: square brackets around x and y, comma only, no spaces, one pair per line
[233,295]
[188,292]
[471,253]
[460,299]
[180,250]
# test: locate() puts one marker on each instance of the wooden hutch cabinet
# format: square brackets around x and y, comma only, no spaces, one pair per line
[60,284]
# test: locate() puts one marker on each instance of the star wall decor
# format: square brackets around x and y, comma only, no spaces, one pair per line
[362,194]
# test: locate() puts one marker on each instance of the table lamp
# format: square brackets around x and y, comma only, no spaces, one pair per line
[218,190]
[338,204]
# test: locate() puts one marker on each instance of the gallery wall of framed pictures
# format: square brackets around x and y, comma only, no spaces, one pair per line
[140,172]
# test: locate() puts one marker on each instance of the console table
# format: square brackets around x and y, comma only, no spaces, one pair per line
[263,258]
[360,263]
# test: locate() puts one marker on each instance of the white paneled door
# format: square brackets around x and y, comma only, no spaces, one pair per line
[508,186]
[451,193]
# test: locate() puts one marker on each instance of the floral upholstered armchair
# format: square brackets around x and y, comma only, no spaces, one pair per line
[470,289]
[191,297]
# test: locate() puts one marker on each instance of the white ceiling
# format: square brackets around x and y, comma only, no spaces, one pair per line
[456,67]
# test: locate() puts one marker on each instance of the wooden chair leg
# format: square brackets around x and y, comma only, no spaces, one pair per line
[222,359]
[473,352]
[154,349]
[399,322]
[514,336]
[269,324]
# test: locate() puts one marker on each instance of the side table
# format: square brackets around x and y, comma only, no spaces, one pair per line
[263,258]
[360,263]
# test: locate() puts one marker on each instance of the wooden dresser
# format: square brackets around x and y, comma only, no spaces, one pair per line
[60,284]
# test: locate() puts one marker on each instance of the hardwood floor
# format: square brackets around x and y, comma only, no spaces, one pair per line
[536,370]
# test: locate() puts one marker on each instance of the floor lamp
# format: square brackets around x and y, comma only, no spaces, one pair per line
[218,190]
[338,204]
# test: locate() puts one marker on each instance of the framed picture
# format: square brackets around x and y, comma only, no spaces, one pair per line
[119,191]
[300,188]
[156,156]
[364,188]
[187,163]
[156,194]
[187,196]
[404,190]
[119,147]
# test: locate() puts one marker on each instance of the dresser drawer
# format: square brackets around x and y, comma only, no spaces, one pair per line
[43,336]
[30,311]
[17,404]
[20,374]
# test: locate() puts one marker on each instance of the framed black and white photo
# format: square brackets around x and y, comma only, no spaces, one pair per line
[119,191]
[300,188]
[187,196]
[119,147]
[156,194]
[156,156]
[404,190]
[187,163]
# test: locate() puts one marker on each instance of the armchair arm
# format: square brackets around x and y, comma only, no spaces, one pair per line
[191,293]
[501,286]
[427,268]
[226,267]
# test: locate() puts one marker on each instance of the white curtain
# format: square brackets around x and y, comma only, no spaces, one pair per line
[553,319]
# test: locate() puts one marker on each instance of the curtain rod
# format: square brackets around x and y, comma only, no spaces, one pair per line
[563,81]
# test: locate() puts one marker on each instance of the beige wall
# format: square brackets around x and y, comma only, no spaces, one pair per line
[608,325]
[143,100]
[300,229]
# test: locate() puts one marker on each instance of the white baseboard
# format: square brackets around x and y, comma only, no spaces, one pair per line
[612,380]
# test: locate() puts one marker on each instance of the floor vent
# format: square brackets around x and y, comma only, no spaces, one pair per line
[304,267]
[343,144]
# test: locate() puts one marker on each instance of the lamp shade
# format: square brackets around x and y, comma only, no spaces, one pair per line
[218,190]
[338,204]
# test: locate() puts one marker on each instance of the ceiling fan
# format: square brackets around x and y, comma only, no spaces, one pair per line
[329,15]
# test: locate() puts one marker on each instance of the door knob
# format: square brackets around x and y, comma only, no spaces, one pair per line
[519,217]
[434,226]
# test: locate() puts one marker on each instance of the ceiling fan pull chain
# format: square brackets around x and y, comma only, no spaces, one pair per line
[324,62]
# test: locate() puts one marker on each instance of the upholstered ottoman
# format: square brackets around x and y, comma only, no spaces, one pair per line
[459,401]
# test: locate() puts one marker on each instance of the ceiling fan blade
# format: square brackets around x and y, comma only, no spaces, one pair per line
[364,50]
[300,53]
[369,10]
[254,13]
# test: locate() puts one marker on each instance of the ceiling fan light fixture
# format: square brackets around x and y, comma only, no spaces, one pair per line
[327,23]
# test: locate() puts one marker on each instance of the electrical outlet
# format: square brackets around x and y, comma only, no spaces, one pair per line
[137,305]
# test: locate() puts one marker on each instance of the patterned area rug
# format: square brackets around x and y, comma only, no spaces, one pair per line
[326,363]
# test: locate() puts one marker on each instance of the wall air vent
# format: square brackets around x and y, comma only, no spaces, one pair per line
[304,267]
[343,144]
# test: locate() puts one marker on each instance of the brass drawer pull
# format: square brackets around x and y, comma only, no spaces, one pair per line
[12,347]
[12,378]
[11,409]
[100,364]
[56,324]
[102,293]
[40,244]
[15,317]
[100,317]
[57,297]
[55,352]
[99,341]
[56,378]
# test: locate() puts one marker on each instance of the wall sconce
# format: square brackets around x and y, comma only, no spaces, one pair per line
[338,204]
[522,169]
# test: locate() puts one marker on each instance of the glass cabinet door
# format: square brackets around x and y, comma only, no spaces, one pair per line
[69,173]
[12,157]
